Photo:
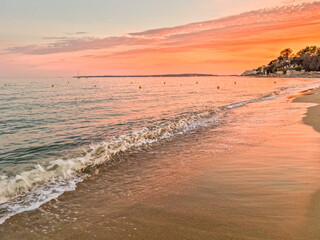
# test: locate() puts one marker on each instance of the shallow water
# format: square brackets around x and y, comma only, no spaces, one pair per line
[154,139]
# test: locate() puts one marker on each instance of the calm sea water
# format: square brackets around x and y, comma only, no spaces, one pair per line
[56,132]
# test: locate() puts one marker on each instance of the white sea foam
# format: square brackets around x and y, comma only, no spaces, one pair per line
[30,189]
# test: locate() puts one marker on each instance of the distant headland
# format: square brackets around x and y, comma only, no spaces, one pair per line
[144,76]
[305,63]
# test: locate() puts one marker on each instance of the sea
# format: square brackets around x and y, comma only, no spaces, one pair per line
[56,133]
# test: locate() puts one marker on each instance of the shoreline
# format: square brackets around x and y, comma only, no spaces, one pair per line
[312,116]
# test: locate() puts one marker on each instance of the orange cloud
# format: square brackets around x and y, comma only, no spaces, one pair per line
[226,45]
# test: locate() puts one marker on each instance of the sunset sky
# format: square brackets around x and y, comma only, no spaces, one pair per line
[56,38]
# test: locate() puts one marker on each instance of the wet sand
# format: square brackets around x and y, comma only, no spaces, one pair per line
[255,176]
[312,116]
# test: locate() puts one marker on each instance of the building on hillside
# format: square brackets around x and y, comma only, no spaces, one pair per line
[294,72]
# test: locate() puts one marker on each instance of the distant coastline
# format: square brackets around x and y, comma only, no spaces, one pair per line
[144,76]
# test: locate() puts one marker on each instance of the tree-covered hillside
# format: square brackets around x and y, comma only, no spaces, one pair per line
[307,59]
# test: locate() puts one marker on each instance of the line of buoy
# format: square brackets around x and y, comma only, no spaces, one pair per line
[218,87]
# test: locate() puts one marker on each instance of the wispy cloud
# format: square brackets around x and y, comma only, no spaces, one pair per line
[242,26]
[78,44]
[242,39]
[56,38]
[80,33]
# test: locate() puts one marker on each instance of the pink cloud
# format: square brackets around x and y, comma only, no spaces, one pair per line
[208,31]
[77,44]
[240,41]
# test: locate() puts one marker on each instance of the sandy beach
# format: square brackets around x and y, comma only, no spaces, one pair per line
[312,117]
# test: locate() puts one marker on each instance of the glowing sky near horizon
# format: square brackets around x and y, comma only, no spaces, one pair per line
[55,38]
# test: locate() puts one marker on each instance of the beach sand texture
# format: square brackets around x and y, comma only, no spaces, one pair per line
[312,117]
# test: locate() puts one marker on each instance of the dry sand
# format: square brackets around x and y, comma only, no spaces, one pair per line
[312,116]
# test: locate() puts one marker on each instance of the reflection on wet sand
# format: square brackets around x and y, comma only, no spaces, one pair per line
[301,94]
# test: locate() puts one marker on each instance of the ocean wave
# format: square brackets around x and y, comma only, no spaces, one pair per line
[30,189]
